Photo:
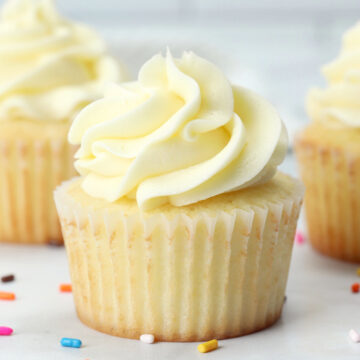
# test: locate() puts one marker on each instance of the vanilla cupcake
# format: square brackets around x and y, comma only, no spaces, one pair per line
[180,225]
[328,151]
[50,68]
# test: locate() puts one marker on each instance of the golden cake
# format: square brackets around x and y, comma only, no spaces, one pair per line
[180,225]
[328,151]
[50,69]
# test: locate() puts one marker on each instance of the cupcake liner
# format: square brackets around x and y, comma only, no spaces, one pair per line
[30,170]
[181,278]
[332,201]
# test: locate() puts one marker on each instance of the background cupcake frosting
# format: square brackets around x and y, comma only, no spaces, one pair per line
[338,104]
[181,134]
[49,67]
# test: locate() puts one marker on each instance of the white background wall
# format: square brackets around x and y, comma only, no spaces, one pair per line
[273,46]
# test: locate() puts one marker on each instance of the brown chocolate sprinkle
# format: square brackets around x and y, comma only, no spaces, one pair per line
[8,278]
[55,242]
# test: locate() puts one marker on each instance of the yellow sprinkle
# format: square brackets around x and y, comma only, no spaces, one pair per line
[208,346]
[358,271]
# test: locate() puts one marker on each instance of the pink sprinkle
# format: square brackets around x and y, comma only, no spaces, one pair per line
[299,238]
[354,335]
[5,331]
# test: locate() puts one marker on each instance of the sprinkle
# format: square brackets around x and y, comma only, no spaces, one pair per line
[354,335]
[7,295]
[147,338]
[355,287]
[299,237]
[8,278]
[65,288]
[55,243]
[358,271]
[69,342]
[5,331]
[208,346]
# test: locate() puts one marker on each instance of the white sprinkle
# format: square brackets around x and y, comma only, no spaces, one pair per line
[147,338]
[354,335]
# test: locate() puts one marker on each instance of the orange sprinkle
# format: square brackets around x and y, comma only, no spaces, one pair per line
[7,295]
[65,288]
[355,287]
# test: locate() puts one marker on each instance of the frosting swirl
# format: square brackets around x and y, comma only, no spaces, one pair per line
[179,134]
[339,103]
[49,67]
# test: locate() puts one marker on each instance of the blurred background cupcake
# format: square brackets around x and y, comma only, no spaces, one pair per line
[50,68]
[328,151]
[180,225]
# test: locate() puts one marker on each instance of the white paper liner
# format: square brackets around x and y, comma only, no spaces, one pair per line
[332,201]
[182,278]
[30,170]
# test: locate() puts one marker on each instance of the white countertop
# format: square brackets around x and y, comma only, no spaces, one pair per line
[319,312]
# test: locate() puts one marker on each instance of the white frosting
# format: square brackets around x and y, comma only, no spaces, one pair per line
[339,103]
[49,67]
[180,134]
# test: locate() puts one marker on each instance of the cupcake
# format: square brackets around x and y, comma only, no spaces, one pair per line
[50,69]
[180,225]
[328,151]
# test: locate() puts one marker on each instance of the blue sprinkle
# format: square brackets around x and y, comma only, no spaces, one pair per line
[68,342]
